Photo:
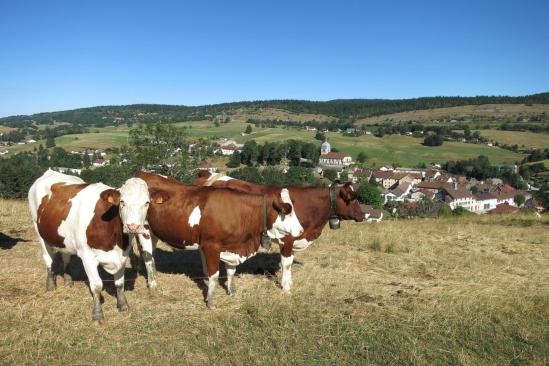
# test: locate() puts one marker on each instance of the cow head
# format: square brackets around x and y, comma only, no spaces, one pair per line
[348,207]
[286,222]
[133,201]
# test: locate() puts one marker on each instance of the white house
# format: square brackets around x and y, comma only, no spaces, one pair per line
[485,201]
[333,159]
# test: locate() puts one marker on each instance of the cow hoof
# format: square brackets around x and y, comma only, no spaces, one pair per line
[152,285]
[123,307]
[232,290]
[50,284]
[97,323]
[210,304]
[68,280]
[97,316]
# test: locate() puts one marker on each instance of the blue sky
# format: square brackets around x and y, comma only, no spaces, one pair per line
[57,55]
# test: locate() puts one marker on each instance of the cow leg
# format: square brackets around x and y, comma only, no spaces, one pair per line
[212,264]
[47,255]
[231,288]
[121,302]
[148,243]
[67,278]
[286,260]
[96,285]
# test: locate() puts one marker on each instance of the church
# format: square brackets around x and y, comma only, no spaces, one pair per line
[333,159]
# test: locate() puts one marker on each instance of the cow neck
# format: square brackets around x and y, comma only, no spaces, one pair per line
[333,201]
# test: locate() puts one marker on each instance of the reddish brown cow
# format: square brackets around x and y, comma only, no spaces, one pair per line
[226,224]
[313,206]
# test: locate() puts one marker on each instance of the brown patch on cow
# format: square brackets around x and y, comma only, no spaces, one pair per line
[54,209]
[105,228]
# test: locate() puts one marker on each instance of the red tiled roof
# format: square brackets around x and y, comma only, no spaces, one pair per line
[433,185]
[335,155]
[504,208]
[382,174]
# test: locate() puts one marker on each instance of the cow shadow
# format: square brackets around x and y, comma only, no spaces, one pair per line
[8,242]
[76,270]
[189,263]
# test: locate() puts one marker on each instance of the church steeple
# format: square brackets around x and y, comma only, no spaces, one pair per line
[325,148]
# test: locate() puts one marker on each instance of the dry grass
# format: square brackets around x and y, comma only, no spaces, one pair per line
[4,129]
[485,110]
[461,291]
[528,139]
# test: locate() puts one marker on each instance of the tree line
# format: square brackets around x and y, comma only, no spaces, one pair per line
[272,153]
[340,108]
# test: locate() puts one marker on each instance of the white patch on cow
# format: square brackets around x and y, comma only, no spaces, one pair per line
[212,281]
[195,246]
[286,224]
[194,218]
[134,203]
[286,264]
[112,260]
[234,259]
[301,244]
[224,178]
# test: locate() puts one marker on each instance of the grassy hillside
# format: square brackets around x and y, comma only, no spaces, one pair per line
[404,150]
[528,139]
[465,291]
[467,111]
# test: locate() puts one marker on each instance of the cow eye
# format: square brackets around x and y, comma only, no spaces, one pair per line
[147,203]
[122,203]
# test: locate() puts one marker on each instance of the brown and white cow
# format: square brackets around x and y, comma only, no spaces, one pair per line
[226,224]
[313,206]
[91,221]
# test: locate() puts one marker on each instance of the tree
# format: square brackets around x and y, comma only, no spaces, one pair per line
[250,153]
[520,199]
[362,157]
[161,147]
[248,129]
[369,194]
[330,174]
[433,140]
[234,160]
[320,136]
[50,141]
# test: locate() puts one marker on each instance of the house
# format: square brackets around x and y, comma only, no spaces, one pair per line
[504,208]
[328,158]
[534,204]
[371,214]
[434,187]
[455,197]
[207,167]
[421,194]
[383,176]
[229,149]
[67,170]
[3,151]
[399,193]
[359,174]
[99,163]
[485,201]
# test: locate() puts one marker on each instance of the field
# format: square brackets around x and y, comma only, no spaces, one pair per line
[528,139]
[4,129]
[402,150]
[485,110]
[455,291]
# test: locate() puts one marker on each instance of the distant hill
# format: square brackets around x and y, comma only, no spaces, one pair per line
[347,109]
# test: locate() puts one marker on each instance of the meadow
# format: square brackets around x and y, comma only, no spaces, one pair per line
[450,291]
[528,139]
[394,149]
[485,110]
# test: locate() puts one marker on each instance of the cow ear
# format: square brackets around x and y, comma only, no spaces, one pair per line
[204,174]
[282,207]
[111,196]
[348,193]
[159,196]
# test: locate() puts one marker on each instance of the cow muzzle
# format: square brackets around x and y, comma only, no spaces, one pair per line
[133,229]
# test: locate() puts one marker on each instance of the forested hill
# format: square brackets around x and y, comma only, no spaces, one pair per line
[349,109]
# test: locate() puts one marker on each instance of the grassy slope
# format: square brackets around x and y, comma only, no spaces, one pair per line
[450,295]
[485,110]
[528,139]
